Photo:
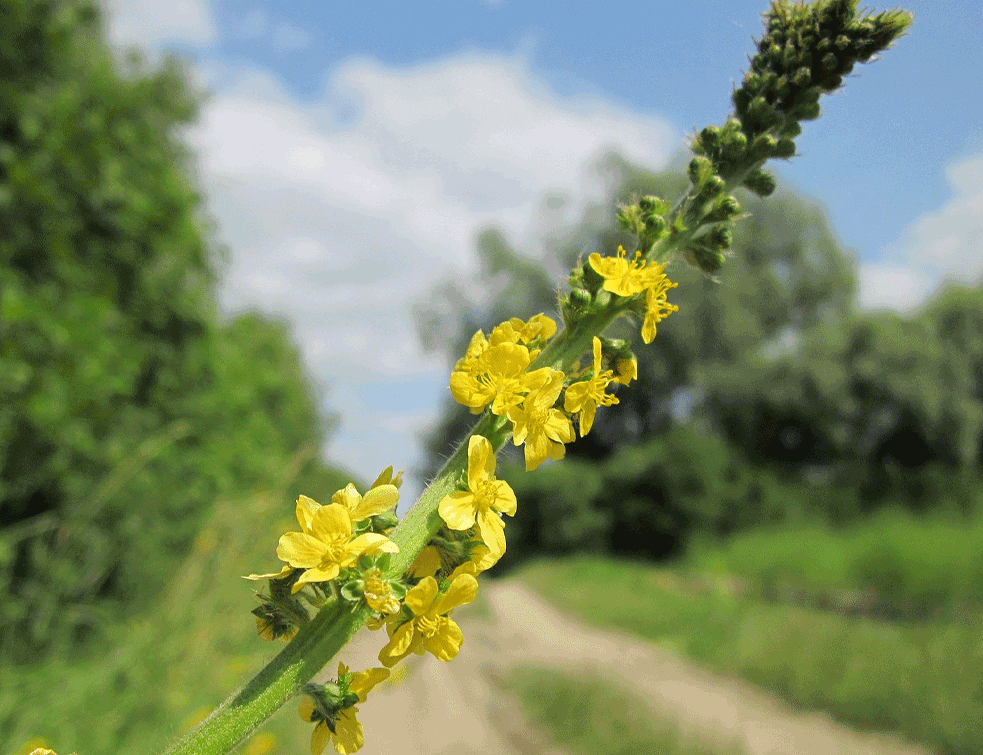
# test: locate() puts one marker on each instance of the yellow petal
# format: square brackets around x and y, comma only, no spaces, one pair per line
[575,396]
[479,452]
[446,644]
[320,738]
[492,530]
[587,417]
[306,508]
[325,574]
[378,500]
[348,736]
[421,597]
[348,497]
[504,499]
[332,522]
[537,447]
[458,510]
[306,709]
[372,543]
[427,564]
[282,573]
[462,590]
[365,680]
[398,647]
[300,550]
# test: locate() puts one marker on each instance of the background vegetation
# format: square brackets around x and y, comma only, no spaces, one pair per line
[127,404]
[812,469]
[770,397]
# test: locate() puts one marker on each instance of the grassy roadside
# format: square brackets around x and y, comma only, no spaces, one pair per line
[906,566]
[166,668]
[924,680]
[587,715]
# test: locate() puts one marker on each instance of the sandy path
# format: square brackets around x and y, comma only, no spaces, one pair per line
[443,708]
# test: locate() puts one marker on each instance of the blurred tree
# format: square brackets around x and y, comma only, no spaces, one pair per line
[767,396]
[125,406]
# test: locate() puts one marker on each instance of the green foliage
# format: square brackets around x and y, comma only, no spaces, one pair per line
[126,406]
[914,565]
[767,397]
[589,714]
[923,680]
[150,678]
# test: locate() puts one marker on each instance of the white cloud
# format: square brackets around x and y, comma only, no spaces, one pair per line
[942,245]
[343,222]
[283,36]
[290,38]
[150,23]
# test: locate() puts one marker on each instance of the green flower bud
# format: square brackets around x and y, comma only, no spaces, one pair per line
[720,237]
[655,225]
[653,205]
[735,145]
[710,139]
[727,209]
[784,149]
[807,112]
[741,99]
[802,77]
[763,146]
[580,299]
[761,183]
[792,130]
[700,170]
[708,260]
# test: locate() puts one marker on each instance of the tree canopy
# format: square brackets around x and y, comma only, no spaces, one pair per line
[768,395]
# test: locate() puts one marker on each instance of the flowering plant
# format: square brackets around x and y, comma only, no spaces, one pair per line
[354,563]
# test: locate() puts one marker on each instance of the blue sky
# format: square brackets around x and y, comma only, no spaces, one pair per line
[350,151]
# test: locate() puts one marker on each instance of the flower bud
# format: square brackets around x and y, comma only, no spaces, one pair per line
[727,209]
[708,260]
[721,237]
[784,149]
[653,204]
[700,170]
[710,139]
[761,183]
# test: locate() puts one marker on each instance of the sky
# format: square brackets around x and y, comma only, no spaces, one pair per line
[350,152]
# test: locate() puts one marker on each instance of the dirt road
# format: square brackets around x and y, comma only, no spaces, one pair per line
[455,708]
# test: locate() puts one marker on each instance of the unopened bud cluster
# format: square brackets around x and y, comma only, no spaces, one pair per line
[805,53]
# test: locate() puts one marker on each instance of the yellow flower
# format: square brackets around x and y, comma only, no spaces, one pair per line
[325,546]
[266,628]
[585,396]
[378,593]
[430,629]
[484,502]
[347,735]
[621,276]
[514,330]
[657,308]
[627,370]
[482,559]
[427,564]
[378,500]
[498,377]
[386,478]
[543,428]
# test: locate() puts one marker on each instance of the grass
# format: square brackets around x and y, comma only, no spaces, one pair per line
[587,715]
[924,680]
[165,669]
[921,566]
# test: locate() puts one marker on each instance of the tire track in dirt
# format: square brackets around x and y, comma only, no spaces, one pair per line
[442,708]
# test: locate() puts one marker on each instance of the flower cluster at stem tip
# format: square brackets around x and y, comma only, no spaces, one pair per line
[341,554]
